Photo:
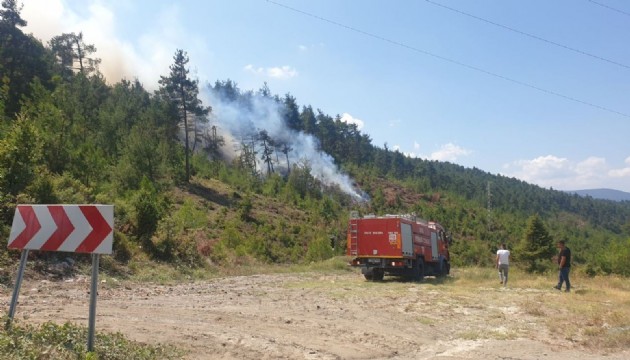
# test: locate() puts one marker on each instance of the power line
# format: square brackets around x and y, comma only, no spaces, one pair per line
[443,58]
[531,35]
[610,7]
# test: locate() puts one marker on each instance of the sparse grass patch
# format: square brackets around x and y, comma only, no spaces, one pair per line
[470,335]
[410,308]
[617,337]
[161,273]
[337,263]
[426,321]
[474,276]
[533,308]
[502,335]
[60,342]
[499,334]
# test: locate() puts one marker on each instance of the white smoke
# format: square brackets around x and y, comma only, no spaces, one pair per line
[238,121]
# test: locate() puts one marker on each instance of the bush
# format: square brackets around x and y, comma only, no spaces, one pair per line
[616,258]
[123,249]
[467,252]
[148,211]
[319,250]
[273,185]
[43,189]
[68,341]
[178,237]
[245,207]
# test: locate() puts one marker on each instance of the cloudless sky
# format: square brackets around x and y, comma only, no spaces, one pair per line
[427,80]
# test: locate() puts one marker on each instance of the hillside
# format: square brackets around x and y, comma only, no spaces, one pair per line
[604,194]
[249,177]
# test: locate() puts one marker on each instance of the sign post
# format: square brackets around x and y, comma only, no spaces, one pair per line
[69,228]
[93,293]
[18,284]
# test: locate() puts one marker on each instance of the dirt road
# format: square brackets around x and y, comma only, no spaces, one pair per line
[312,316]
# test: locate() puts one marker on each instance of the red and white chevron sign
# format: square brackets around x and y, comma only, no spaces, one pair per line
[71,228]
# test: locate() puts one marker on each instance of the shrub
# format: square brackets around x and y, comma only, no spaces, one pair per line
[148,210]
[319,249]
[245,207]
[273,185]
[177,237]
[123,249]
[68,341]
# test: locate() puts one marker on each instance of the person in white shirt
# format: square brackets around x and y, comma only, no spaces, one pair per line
[503,263]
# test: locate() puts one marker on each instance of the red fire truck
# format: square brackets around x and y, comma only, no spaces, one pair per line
[402,245]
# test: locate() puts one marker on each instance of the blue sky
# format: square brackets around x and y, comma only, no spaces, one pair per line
[427,80]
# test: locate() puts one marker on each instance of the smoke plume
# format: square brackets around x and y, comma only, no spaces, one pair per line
[237,121]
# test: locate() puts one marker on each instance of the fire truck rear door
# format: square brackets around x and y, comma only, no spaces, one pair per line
[407,239]
[434,245]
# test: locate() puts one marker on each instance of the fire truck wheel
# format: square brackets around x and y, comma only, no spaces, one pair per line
[418,270]
[374,275]
[379,274]
[444,270]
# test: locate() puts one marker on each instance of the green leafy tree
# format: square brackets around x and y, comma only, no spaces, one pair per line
[140,158]
[22,59]
[382,161]
[19,157]
[302,182]
[72,53]
[537,247]
[212,142]
[149,209]
[308,119]
[471,252]
[328,210]
[183,93]
[128,104]
[291,112]
[4,94]
[10,13]
[40,108]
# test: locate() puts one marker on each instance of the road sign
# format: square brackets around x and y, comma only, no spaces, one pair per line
[70,228]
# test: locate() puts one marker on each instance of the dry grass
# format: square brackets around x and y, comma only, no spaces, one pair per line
[595,315]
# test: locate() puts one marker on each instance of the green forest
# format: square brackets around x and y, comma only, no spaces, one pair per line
[191,194]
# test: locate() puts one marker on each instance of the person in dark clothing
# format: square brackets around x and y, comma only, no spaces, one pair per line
[564,266]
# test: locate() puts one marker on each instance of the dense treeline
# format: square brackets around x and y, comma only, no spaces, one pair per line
[67,136]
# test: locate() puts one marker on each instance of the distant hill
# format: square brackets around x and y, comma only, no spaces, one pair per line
[604,194]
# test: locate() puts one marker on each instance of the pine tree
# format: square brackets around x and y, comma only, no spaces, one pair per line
[536,247]
[291,113]
[10,14]
[267,144]
[183,92]
[72,53]
[20,153]
[22,59]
